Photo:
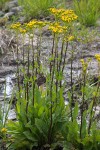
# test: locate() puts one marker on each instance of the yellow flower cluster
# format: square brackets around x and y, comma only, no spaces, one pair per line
[84,65]
[82,61]
[64,15]
[68,16]
[22,30]
[56,12]
[70,38]
[15,26]
[31,24]
[3,130]
[57,28]
[97,56]
[28,26]
[41,23]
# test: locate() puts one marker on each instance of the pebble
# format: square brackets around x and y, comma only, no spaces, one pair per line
[2,80]
[11,9]
[1,13]
[9,15]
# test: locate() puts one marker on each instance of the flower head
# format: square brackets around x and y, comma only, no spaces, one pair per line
[57,28]
[71,38]
[82,61]
[41,23]
[3,130]
[68,16]
[64,15]
[97,56]
[21,30]
[31,24]
[84,65]
[56,12]
[15,26]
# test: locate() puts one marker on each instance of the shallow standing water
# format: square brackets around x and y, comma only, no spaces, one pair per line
[5,94]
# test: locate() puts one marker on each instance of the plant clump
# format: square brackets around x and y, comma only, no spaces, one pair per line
[43,120]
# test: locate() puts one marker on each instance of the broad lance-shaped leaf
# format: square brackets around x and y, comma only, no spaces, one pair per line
[42,126]
[90,107]
[73,131]
[29,135]
[41,109]
[75,111]
[84,124]
[37,95]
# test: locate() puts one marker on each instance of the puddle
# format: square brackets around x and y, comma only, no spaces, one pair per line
[7,86]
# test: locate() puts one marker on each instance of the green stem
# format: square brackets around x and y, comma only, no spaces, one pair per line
[71,84]
[52,52]
[33,74]
[63,65]
[83,99]
[18,66]
[91,113]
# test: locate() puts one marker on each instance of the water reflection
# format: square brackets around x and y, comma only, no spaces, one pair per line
[7,86]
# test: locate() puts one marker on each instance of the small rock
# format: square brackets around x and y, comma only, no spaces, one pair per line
[2,80]
[22,19]
[9,14]
[13,62]
[3,21]
[2,98]
[16,10]
[6,70]
[1,13]
[10,5]
[12,114]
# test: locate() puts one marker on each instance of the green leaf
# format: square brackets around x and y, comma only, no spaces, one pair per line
[84,124]
[30,136]
[75,111]
[90,106]
[41,109]
[41,126]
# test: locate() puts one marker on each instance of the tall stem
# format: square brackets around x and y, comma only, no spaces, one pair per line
[61,55]
[71,84]
[33,74]
[52,52]
[52,71]
[83,99]
[91,113]
[27,84]
[23,53]
[63,65]
[18,65]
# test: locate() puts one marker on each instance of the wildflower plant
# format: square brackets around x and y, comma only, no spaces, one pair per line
[42,116]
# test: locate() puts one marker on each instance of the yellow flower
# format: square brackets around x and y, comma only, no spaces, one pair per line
[64,15]
[57,28]
[3,130]
[31,24]
[41,23]
[56,12]
[70,38]
[68,16]
[82,61]
[97,56]
[21,30]
[84,64]
[15,26]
